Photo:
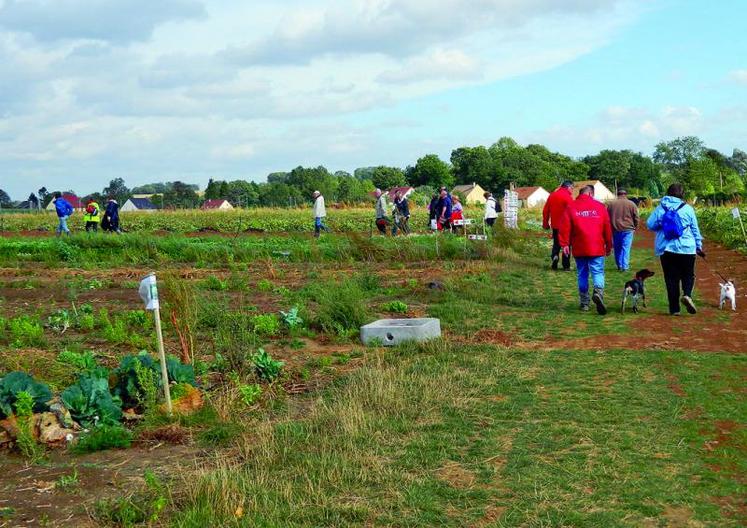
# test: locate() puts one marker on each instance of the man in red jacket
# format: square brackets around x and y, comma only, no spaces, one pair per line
[552,215]
[586,227]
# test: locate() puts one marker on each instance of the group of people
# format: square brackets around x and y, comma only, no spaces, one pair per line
[444,209]
[591,231]
[92,215]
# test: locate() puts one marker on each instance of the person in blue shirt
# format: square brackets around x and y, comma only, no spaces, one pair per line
[444,210]
[110,222]
[64,210]
[677,254]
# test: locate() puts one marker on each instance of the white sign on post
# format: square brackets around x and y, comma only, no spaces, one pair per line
[735,213]
[511,209]
[149,292]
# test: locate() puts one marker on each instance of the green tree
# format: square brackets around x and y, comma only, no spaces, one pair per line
[430,170]
[474,164]
[242,193]
[675,155]
[5,200]
[279,195]
[387,177]
[118,190]
[212,191]
[180,195]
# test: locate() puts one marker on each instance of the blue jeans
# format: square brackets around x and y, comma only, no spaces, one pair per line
[319,226]
[623,241]
[62,228]
[584,267]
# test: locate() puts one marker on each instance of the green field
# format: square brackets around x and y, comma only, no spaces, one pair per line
[527,412]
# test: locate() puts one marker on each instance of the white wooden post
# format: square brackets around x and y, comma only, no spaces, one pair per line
[149,293]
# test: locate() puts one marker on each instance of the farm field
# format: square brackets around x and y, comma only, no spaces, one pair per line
[526,413]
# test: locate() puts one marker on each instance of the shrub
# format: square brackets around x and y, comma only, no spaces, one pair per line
[101,437]
[291,318]
[25,441]
[394,307]
[26,331]
[341,307]
[250,393]
[215,284]
[265,324]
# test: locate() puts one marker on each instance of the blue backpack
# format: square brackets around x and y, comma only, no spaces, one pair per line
[671,223]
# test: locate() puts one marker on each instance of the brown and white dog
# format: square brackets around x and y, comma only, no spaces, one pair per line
[728,293]
[636,289]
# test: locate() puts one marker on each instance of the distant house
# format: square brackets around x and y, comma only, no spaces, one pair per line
[601,192]
[473,194]
[531,197]
[72,199]
[217,205]
[148,196]
[138,204]
[404,192]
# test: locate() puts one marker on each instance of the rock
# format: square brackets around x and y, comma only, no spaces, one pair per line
[63,415]
[435,285]
[9,427]
[49,430]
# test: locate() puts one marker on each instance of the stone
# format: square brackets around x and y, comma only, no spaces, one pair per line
[391,332]
[50,430]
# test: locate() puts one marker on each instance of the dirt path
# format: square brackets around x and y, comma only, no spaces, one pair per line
[711,330]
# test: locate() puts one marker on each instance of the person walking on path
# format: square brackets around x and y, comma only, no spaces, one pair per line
[678,240]
[402,214]
[110,222]
[320,212]
[552,215]
[444,210]
[381,219]
[586,228]
[64,210]
[625,219]
[433,213]
[92,216]
[491,209]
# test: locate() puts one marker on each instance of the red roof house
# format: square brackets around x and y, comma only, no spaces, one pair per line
[217,205]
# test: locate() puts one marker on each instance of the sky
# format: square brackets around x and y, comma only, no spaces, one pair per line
[92,90]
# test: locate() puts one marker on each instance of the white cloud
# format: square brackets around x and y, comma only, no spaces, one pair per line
[180,87]
[739,76]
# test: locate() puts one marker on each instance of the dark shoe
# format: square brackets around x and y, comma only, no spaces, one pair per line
[584,307]
[675,314]
[598,300]
[554,265]
[566,269]
[689,304]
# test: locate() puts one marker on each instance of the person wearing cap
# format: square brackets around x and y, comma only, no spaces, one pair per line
[625,218]
[381,219]
[320,212]
[552,215]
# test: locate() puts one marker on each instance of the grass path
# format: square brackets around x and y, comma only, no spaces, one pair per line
[460,434]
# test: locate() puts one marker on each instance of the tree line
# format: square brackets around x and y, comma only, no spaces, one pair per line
[706,173]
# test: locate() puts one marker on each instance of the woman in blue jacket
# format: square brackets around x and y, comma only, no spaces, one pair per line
[111,217]
[677,253]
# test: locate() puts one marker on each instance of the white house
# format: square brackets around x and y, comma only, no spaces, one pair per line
[138,204]
[531,197]
[217,205]
[601,192]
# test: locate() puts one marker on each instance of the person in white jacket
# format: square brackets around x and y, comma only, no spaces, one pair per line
[491,209]
[320,212]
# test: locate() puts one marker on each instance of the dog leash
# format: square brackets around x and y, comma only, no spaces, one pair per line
[709,268]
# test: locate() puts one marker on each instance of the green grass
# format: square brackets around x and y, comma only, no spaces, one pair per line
[446,435]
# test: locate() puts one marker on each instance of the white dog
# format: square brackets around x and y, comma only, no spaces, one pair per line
[728,293]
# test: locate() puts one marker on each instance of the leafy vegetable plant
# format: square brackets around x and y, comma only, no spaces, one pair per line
[12,384]
[266,368]
[90,402]
[291,318]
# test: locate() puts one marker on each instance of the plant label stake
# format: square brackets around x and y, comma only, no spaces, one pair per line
[149,294]
[737,214]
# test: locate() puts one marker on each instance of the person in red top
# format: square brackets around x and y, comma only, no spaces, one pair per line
[552,215]
[586,227]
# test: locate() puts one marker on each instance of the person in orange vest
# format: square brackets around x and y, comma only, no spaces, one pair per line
[92,216]
[552,214]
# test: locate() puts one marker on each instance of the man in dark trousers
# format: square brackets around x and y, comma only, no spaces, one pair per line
[586,228]
[552,215]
